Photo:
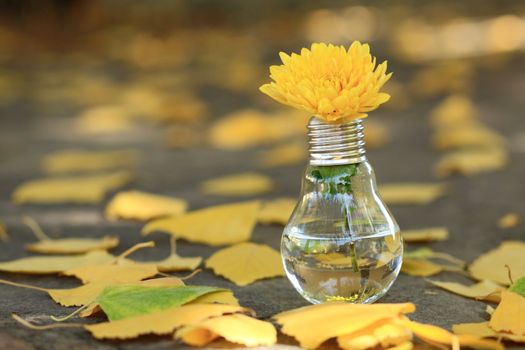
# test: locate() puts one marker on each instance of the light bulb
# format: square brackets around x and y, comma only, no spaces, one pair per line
[341,242]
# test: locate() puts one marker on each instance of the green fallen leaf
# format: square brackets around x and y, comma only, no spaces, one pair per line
[123,301]
[518,286]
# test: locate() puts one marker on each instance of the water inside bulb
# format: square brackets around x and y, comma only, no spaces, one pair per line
[341,243]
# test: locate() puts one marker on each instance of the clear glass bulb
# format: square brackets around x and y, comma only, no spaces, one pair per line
[341,242]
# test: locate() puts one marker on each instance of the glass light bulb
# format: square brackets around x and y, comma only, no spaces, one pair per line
[341,242]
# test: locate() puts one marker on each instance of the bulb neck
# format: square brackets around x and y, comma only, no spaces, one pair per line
[335,144]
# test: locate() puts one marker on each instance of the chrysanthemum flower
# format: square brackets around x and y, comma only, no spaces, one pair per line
[332,83]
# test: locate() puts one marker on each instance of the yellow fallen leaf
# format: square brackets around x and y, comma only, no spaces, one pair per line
[453,111]
[143,206]
[4,236]
[412,193]
[491,265]
[313,325]
[245,263]
[436,335]
[78,189]
[483,330]
[509,220]
[223,224]
[78,161]
[469,162]
[55,264]
[473,134]
[174,262]
[282,155]
[385,334]
[129,271]
[420,267]
[425,234]
[508,316]
[249,128]
[485,290]
[376,134]
[277,211]
[221,297]
[246,184]
[72,245]
[160,323]
[236,328]
[105,119]
[46,245]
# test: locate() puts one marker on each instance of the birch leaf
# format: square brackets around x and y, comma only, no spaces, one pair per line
[4,236]
[277,211]
[491,265]
[236,328]
[412,193]
[485,290]
[55,264]
[508,316]
[425,234]
[509,220]
[223,224]
[384,334]
[175,262]
[433,334]
[142,206]
[71,161]
[47,245]
[245,263]
[160,323]
[124,301]
[483,330]
[334,319]
[245,184]
[282,155]
[78,189]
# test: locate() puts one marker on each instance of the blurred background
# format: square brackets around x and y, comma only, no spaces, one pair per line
[177,77]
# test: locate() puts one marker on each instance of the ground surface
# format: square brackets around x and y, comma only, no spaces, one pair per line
[470,210]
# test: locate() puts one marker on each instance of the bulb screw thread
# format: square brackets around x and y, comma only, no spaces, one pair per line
[336,144]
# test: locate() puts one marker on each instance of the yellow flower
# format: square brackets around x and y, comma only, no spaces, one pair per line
[332,83]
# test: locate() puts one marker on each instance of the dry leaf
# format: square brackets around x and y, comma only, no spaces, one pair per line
[453,111]
[143,206]
[4,236]
[160,323]
[249,128]
[246,184]
[105,119]
[77,161]
[277,211]
[485,290]
[420,267]
[471,161]
[245,263]
[282,155]
[425,234]
[236,328]
[47,245]
[175,262]
[384,334]
[411,193]
[473,135]
[313,325]
[509,220]
[223,224]
[55,264]
[508,316]
[435,335]
[79,189]
[483,330]
[491,265]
